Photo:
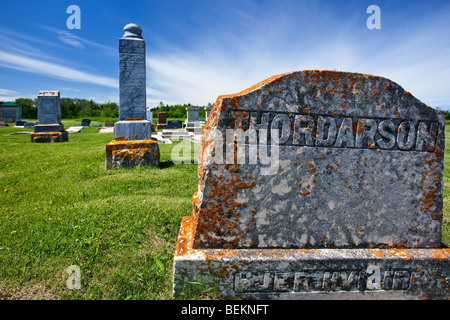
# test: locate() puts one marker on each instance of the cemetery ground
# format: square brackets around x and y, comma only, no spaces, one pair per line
[59,207]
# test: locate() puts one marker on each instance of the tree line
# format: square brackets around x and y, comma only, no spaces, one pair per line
[74,108]
[176,111]
[82,108]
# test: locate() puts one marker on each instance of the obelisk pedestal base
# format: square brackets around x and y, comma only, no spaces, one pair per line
[132,153]
[52,136]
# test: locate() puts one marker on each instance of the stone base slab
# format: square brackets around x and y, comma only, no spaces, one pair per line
[342,274]
[49,127]
[193,129]
[54,136]
[133,130]
[132,153]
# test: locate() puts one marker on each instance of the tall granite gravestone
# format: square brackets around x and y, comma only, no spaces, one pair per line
[49,127]
[318,184]
[132,144]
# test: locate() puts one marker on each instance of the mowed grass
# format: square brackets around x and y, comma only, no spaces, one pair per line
[60,207]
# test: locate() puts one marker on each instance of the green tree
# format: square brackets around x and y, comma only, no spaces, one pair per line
[109,110]
[29,108]
[447,115]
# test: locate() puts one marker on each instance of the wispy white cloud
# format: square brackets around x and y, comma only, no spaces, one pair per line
[70,39]
[28,64]
[31,54]
[236,46]
[7,92]
[252,49]
[8,95]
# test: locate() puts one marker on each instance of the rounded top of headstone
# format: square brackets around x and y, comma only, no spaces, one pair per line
[132,31]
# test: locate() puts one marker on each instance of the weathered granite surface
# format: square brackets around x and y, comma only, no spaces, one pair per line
[133,130]
[207,112]
[129,154]
[132,144]
[193,118]
[318,185]
[49,136]
[49,107]
[149,115]
[341,274]
[359,164]
[162,118]
[49,127]
[132,74]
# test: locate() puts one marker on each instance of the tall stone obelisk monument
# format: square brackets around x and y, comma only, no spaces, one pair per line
[132,144]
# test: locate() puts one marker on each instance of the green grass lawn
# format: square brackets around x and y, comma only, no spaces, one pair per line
[60,207]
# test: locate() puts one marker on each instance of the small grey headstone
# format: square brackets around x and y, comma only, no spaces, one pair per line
[207,112]
[149,115]
[192,116]
[49,127]
[174,124]
[49,107]
[85,122]
[162,118]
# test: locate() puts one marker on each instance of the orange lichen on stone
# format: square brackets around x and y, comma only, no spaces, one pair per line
[219,217]
[223,272]
[184,242]
[48,132]
[400,253]
[225,253]
[377,253]
[440,254]
[254,87]
[128,148]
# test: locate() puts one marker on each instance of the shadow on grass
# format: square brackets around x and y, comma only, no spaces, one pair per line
[166,164]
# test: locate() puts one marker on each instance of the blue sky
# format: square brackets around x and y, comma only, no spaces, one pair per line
[198,50]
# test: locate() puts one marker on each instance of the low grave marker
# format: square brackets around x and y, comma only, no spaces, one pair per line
[162,120]
[49,127]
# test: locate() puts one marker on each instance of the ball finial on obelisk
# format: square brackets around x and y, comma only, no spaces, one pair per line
[132,31]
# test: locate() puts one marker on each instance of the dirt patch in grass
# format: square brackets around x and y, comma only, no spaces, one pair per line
[28,292]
